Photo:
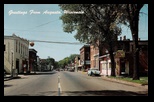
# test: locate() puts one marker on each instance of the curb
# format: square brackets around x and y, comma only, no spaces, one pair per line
[6,79]
[10,78]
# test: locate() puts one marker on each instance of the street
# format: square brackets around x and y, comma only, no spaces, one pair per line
[65,83]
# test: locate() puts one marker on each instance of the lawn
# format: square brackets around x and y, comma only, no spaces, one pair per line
[143,80]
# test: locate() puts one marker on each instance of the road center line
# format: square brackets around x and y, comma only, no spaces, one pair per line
[59,86]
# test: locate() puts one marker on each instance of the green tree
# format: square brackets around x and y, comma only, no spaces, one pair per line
[50,62]
[56,65]
[67,60]
[72,57]
[129,15]
[95,26]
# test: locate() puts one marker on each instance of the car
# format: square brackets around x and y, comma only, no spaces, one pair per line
[93,71]
[71,70]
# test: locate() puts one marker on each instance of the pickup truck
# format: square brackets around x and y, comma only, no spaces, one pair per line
[93,71]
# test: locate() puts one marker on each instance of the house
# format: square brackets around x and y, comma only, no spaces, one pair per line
[85,57]
[16,54]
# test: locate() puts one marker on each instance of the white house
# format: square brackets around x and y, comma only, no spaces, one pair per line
[16,54]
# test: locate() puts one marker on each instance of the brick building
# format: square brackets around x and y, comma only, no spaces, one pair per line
[85,57]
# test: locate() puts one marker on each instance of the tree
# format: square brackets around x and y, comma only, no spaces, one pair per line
[50,62]
[72,57]
[130,13]
[67,60]
[95,26]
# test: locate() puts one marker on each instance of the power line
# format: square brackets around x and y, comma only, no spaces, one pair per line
[74,43]
[35,26]
[44,24]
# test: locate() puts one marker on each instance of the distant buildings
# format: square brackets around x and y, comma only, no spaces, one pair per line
[123,57]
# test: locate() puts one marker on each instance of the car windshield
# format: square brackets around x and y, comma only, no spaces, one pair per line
[93,69]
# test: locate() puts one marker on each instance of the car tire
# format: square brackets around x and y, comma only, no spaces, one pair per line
[92,74]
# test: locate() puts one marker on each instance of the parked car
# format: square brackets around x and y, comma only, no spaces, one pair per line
[93,71]
[71,70]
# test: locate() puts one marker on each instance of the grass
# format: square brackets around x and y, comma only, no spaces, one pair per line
[143,80]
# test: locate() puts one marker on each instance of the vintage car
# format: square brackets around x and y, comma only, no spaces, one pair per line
[93,71]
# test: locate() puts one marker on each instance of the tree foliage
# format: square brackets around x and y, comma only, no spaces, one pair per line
[132,12]
[67,60]
[95,26]
[101,23]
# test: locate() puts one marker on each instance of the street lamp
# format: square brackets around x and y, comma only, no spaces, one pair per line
[106,62]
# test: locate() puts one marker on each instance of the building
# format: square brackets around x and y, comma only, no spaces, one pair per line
[43,64]
[85,57]
[16,54]
[94,56]
[32,60]
[123,56]
[124,64]
[38,68]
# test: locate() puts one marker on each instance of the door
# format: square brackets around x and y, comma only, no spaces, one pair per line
[17,65]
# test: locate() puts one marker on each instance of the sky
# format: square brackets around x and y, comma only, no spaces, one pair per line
[32,22]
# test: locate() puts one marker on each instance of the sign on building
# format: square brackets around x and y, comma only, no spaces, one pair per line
[120,53]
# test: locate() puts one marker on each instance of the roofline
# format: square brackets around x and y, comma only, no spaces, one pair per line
[84,46]
[33,50]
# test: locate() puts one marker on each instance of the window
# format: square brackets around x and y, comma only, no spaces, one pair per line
[4,47]
[19,47]
[88,57]
[132,47]
[16,46]
[109,64]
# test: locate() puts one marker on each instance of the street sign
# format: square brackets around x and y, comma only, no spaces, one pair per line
[120,53]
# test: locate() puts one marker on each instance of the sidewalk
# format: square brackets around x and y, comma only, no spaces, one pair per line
[9,77]
[121,81]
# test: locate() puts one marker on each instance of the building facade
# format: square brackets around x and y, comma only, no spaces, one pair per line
[123,57]
[94,57]
[85,57]
[32,60]
[16,54]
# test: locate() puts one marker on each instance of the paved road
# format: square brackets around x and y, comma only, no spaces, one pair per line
[66,83]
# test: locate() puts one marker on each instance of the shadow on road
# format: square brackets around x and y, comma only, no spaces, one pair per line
[105,93]
[39,73]
[7,86]
[88,93]
[19,76]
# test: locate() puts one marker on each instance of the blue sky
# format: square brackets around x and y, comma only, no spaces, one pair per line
[48,27]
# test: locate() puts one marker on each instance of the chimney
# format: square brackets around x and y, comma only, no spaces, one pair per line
[124,38]
[120,38]
[128,39]
[138,39]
